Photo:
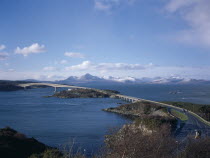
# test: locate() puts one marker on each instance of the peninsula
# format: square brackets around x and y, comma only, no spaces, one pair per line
[85,93]
[6,85]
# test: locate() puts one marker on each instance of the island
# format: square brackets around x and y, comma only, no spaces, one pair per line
[85,93]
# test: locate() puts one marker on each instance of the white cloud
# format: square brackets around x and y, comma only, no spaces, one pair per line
[155,71]
[74,55]
[3,56]
[63,62]
[2,47]
[6,64]
[196,14]
[107,5]
[83,66]
[87,65]
[33,49]
[120,66]
[174,5]
[11,70]
[102,6]
[50,77]
[49,68]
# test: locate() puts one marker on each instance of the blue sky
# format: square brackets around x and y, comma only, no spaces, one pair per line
[54,39]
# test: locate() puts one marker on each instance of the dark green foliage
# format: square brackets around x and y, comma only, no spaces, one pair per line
[81,93]
[199,148]
[12,82]
[147,109]
[111,91]
[138,108]
[205,111]
[164,109]
[16,145]
[155,122]
[49,153]
[10,85]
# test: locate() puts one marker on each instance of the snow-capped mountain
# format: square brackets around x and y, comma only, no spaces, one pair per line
[120,79]
[88,78]
[173,79]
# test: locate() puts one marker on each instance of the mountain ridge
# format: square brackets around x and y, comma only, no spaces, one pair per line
[88,78]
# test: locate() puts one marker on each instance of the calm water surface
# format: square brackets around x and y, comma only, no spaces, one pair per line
[57,122]
[186,93]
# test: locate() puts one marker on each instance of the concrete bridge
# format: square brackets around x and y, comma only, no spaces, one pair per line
[119,96]
[25,85]
[127,98]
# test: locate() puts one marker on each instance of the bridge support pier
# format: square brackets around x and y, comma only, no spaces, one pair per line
[55,89]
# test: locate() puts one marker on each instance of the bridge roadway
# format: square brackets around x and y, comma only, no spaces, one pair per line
[194,120]
[25,85]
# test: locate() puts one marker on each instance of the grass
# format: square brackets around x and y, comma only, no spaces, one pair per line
[200,109]
[189,106]
[179,115]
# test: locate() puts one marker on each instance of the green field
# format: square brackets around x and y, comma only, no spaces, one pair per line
[179,115]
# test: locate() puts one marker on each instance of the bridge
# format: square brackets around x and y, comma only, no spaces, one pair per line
[193,119]
[25,85]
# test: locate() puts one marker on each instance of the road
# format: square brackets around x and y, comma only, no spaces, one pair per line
[188,127]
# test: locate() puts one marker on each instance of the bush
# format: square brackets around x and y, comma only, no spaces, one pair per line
[135,144]
[199,148]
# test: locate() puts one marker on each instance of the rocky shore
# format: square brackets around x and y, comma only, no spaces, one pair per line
[145,114]
[84,93]
[138,109]
[16,145]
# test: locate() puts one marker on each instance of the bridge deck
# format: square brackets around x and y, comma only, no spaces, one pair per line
[51,85]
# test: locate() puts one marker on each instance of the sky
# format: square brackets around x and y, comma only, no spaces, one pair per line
[55,39]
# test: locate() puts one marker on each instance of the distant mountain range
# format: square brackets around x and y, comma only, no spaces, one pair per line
[88,78]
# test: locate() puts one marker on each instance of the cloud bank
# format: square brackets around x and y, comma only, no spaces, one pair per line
[33,49]
[3,56]
[196,14]
[63,62]
[87,65]
[2,47]
[108,5]
[74,55]
[49,68]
